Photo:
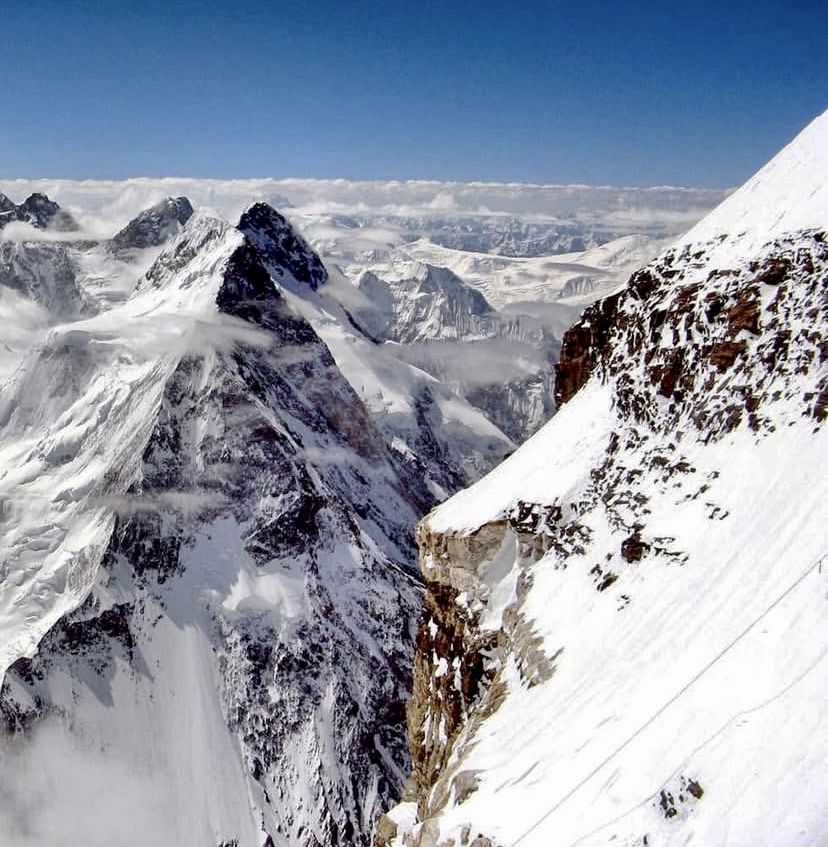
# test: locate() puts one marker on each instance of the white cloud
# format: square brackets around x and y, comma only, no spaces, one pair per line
[103,207]
[57,790]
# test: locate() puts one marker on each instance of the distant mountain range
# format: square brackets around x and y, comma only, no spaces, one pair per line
[226,408]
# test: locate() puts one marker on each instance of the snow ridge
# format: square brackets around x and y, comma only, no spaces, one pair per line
[623,639]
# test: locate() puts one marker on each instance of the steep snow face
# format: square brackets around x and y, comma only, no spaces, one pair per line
[205,587]
[790,193]
[623,639]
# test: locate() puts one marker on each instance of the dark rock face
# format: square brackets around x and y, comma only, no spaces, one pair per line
[154,226]
[633,548]
[281,246]
[582,348]
[448,631]
[37,210]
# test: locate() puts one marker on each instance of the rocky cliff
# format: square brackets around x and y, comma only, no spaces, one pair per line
[620,612]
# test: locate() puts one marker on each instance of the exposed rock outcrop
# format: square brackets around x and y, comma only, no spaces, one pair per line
[154,226]
[280,245]
[38,211]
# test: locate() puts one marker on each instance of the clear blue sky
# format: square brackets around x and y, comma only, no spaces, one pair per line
[634,93]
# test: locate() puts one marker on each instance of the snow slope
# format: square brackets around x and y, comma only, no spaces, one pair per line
[787,194]
[624,639]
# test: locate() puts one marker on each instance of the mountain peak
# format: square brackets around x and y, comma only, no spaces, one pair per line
[38,211]
[155,225]
[284,250]
[789,193]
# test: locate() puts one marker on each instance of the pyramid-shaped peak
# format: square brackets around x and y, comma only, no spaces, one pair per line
[154,226]
[788,194]
[284,250]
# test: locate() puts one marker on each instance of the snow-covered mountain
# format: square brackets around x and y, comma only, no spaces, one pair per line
[500,361]
[207,597]
[624,636]
[153,226]
[210,468]
[38,211]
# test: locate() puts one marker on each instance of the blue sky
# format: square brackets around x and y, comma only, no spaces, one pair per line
[626,93]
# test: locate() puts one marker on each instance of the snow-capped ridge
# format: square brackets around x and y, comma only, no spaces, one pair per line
[788,194]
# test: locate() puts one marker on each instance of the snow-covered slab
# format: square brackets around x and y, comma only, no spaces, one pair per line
[788,194]
[546,468]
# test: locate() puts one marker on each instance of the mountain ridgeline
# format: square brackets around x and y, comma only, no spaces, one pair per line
[220,454]
[623,636]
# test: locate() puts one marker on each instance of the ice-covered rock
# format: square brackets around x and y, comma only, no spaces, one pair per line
[623,638]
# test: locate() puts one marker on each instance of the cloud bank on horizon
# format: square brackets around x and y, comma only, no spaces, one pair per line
[102,207]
